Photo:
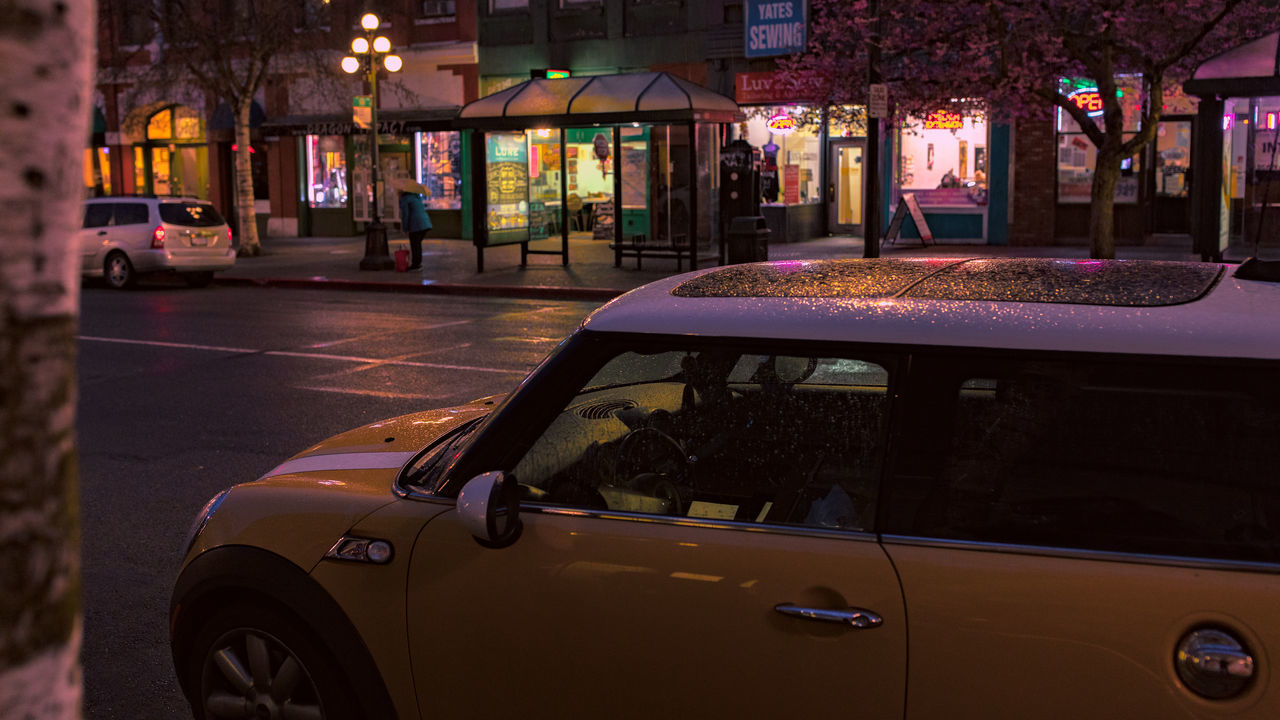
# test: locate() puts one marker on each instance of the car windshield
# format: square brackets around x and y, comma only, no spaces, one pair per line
[191,214]
[427,469]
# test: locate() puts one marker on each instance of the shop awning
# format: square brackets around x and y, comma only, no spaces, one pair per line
[224,119]
[393,122]
[649,97]
[1250,70]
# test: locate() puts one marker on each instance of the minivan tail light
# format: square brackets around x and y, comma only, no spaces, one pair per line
[229,239]
[157,238]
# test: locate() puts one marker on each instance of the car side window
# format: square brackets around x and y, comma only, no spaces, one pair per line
[97,215]
[720,435]
[131,213]
[1170,459]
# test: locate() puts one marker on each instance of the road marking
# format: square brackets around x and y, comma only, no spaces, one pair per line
[304,355]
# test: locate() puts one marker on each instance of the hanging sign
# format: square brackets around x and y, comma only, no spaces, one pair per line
[362,111]
[774,27]
[943,120]
[781,124]
[1087,99]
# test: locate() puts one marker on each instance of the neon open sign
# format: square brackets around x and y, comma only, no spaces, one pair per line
[1087,99]
[943,120]
[782,124]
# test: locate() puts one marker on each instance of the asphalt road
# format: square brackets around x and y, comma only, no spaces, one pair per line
[184,392]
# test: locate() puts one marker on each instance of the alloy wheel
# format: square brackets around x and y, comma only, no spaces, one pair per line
[251,674]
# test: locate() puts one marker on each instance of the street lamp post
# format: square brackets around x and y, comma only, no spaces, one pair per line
[368,49]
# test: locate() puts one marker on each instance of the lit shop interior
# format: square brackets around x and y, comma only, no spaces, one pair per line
[943,161]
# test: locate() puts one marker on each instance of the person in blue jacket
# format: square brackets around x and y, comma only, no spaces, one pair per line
[413,218]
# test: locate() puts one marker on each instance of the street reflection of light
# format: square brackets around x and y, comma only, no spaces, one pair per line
[687,544]
[749,584]
[696,576]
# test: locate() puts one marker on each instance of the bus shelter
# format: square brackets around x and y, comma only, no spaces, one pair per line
[1234,151]
[629,159]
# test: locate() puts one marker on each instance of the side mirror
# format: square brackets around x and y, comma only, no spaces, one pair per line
[489,507]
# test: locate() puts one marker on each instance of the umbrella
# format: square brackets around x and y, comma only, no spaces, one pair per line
[408,185]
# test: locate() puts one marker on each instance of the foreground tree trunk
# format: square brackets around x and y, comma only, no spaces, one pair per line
[250,243]
[46,75]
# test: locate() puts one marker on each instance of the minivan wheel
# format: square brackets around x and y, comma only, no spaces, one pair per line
[257,662]
[198,279]
[119,271]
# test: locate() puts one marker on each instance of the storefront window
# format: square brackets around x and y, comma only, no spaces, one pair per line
[1078,156]
[589,165]
[441,171]
[326,171]
[943,158]
[97,171]
[791,166]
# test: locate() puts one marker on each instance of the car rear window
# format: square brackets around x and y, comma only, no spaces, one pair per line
[131,213]
[190,214]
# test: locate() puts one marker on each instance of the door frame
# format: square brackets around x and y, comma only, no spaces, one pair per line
[834,147]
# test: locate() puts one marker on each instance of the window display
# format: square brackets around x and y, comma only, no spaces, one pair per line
[440,155]
[943,158]
[1078,156]
[791,169]
[326,171]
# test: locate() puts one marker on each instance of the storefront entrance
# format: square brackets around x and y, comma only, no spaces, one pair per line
[844,211]
[1171,207]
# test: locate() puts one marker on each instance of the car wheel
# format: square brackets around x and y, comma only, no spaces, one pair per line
[198,279]
[257,662]
[119,271]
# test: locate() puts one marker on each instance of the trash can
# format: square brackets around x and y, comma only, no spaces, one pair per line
[748,240]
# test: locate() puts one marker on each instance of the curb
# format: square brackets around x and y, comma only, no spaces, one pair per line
[532,292]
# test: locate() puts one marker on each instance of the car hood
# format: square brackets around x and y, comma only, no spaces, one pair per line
[302,506]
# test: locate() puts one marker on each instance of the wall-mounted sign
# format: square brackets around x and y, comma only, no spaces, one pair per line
[781,124]
[1087,99]
[774,27]
[943,120]
[774,87]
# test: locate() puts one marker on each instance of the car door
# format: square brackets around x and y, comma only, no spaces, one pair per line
[697,541]
[94,234]
[1084,537]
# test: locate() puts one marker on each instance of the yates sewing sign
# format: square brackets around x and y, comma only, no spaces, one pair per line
[775,27]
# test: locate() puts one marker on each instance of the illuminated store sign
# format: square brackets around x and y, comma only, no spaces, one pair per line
[781,124]
[1087,99]
[943,120]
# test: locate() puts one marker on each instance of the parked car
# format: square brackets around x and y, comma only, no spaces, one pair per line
[125,237]
[887,488]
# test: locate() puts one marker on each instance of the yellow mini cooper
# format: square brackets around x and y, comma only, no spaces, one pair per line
[979,488]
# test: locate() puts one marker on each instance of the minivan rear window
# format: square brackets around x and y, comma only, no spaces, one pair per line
[190,214]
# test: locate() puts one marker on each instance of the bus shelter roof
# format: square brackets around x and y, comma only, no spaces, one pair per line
[648,97]
[1248,70]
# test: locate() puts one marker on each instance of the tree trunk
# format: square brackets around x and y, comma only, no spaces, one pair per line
[45,84]
[250,245]
[1102,195]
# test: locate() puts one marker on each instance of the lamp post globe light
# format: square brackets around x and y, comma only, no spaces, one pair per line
[369,51]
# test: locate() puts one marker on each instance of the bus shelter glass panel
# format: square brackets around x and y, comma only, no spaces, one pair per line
[637,170]
[545,171]
[589,164]
[708,173]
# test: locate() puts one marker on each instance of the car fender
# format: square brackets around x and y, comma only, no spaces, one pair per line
[247,574]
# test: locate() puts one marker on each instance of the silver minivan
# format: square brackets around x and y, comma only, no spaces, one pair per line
[124,237]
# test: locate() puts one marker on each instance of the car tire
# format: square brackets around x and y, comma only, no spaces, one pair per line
[251,661]
[198,279]
[118,271]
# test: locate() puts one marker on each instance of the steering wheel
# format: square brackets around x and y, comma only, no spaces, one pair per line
[646,456]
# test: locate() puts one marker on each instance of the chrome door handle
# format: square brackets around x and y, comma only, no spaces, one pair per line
[856,618]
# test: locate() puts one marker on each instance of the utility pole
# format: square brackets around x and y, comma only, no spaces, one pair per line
[871,169]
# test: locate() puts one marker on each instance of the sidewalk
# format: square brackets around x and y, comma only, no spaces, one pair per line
[449,265]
